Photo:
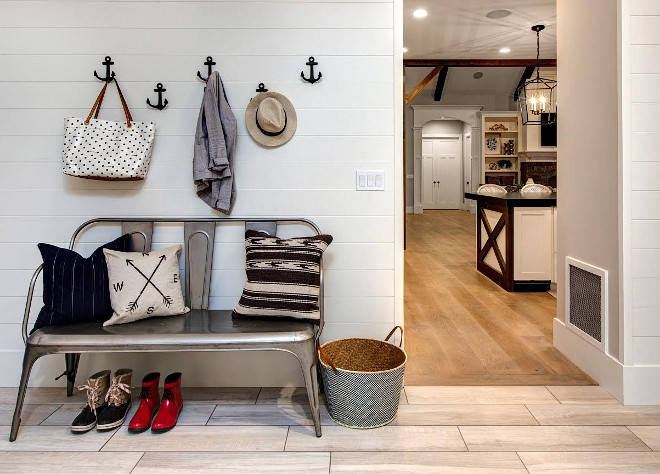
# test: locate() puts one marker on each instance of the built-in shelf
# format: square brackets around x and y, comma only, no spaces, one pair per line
[512,121]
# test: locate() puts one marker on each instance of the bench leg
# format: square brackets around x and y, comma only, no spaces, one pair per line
[72,361]
[29,359]
[307,359]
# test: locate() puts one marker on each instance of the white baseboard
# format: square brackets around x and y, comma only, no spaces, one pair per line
[473,208]
[418,209]
[604,369]
[410,209]
[630,384]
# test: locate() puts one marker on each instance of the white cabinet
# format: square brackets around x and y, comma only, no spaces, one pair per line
[500,142]
[533,243]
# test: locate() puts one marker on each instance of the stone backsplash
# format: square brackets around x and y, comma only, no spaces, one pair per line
[541,172]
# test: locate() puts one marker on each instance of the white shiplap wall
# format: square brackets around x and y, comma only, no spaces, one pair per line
[346,122]
[644,133]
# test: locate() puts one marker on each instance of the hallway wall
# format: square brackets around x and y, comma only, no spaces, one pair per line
[348,121]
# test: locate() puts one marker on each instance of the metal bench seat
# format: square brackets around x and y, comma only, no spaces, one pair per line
[198,330]
[201,329]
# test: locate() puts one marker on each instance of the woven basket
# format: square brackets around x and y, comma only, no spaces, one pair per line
[363,380]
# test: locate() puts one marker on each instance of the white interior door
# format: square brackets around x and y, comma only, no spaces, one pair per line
[428,181]
[446,173]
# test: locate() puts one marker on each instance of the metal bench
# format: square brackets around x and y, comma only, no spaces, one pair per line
[199,330]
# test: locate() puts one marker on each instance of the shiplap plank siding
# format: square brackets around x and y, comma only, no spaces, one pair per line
[67,67]
[645,184]
[172,42]
[198,15]
[181,122]
[175,149]
[345,122]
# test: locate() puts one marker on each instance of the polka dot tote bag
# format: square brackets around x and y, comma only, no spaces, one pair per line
[106,150]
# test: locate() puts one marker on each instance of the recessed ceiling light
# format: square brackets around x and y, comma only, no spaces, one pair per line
[405,50]
[497,14]
[420,13]
[478,75]
[505,50]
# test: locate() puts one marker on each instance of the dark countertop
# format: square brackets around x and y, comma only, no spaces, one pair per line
[516,199]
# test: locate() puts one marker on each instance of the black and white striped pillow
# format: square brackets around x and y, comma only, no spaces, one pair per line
[283,276]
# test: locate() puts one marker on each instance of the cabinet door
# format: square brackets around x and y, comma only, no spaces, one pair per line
[532,240]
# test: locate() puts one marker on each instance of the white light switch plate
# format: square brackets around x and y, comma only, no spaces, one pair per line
[370,180]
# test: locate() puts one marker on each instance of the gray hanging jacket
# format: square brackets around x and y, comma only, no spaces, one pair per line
[215,142]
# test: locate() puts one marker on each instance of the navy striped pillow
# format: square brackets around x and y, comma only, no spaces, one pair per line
[76,289]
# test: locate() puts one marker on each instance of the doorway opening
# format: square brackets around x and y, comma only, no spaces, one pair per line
[462,130]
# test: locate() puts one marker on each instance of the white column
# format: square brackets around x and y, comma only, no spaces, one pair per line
[417,156]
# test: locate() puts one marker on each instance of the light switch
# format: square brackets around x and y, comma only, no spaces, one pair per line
[362,180]
[370,180]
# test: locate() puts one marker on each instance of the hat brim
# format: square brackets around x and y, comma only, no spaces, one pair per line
[253,128]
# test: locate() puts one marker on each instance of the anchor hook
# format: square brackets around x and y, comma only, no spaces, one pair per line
[311,79]
[208,63]
[161,103]
[109,76]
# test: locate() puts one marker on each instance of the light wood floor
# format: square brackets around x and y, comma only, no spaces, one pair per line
[486,429]
[463,329]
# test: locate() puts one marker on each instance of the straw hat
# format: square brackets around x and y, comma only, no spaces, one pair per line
[271,119]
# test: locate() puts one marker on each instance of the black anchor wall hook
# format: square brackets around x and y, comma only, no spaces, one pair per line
[311,79]
[109,76]
[261,88]
[161,103]
[208,63]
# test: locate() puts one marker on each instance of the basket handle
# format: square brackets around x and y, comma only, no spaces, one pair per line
[327,359]
[392,332]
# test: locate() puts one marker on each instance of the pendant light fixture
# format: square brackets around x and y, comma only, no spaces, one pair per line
[537,97]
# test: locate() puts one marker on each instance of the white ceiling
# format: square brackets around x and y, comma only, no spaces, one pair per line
[459,29]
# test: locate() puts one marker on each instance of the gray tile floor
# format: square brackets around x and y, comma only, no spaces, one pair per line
[439,429]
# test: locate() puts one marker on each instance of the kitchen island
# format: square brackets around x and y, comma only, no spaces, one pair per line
[516,239]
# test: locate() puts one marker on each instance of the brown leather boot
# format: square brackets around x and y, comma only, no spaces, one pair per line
[119,401]
[97,387]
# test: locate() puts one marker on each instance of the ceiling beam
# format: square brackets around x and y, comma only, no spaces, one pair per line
[421,85]
[440,85]
[478,62]
[529,70]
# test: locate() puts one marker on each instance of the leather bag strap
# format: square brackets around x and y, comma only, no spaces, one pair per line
[127,112]
[97,105]
[96,108]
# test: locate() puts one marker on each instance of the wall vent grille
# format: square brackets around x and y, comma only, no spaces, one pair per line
[587,301]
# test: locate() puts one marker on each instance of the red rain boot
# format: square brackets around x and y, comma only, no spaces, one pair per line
[171,404]
[150,400]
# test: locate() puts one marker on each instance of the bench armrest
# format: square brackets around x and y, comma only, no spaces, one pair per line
[28,303]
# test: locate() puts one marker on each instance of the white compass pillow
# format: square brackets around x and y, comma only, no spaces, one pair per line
[143,285]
